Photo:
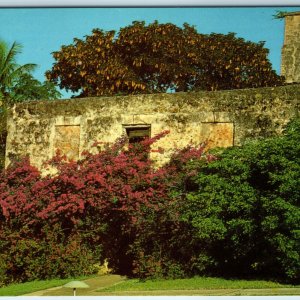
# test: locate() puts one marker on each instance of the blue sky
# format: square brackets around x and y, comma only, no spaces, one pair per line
[43,30]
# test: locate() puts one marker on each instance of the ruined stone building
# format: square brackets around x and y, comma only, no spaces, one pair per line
[219,118]
[290,58]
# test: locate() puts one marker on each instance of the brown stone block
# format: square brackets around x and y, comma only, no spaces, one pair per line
[217,134]
[67,139]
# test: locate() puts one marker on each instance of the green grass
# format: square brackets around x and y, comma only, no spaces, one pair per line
[195,283]
[202,285]
[33,286]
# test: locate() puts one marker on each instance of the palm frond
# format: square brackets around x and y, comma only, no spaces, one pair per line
[12,53]
[7,61]
[3,51]
[10,71]
[15,73]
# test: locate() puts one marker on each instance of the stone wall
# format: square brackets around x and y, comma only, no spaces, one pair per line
[222,118]
[290,59]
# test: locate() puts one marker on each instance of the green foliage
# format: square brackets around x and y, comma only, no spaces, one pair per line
[280,14]
[16,82]
[18,85]
[50,255]
[10,71]
[28,88]
[247,204]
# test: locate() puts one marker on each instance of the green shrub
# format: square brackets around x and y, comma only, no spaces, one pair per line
[50,256]
[244,208]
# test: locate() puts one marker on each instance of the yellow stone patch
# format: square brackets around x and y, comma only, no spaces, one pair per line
[67,138]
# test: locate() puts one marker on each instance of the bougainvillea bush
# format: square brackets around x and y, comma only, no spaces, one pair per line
[96,208]
[233,215]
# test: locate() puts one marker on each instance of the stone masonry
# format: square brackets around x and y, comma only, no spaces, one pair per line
[290,59]
[219,118]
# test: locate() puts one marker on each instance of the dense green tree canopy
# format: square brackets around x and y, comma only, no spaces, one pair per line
[28,88]
[157,57]
[16,81]
[10,71]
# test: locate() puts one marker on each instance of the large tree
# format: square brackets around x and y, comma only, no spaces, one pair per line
[157,57]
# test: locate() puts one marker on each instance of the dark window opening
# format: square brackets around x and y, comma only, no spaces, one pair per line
[137,134]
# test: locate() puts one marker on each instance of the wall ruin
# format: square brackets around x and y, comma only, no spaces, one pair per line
[221,118]
[290,58]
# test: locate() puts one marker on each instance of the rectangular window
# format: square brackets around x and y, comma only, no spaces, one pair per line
[137,133]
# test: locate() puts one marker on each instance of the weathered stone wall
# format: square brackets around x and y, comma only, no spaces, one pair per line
[222,118]
[290,59]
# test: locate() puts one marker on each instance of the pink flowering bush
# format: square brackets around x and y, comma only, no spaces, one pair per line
[106,205]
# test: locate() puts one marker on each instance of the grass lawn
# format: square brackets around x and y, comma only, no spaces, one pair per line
[29,287]
[115,285]
[196,283]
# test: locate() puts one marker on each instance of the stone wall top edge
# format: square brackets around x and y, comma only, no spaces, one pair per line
[294,13]
[196,96]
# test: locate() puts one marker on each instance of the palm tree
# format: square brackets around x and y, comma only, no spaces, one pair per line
[17,85]
[10,71]
[10,74]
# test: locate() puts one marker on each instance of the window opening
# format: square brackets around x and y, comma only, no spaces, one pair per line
[137,134]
